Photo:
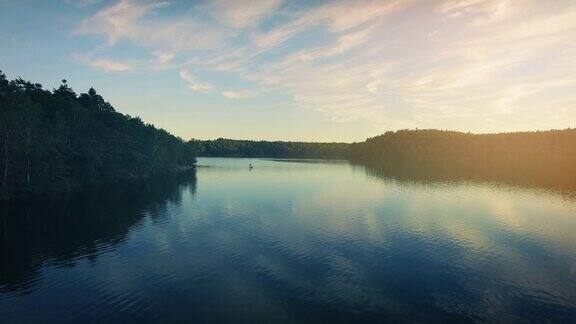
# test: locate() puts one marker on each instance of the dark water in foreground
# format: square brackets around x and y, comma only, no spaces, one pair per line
[290,242]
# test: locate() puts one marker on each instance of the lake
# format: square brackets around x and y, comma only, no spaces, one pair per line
[290,241]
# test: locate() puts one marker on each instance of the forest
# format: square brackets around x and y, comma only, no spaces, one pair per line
[58,140]
[541,158]
[270,149]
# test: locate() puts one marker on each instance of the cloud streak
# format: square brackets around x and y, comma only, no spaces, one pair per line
[193,83]
[480,65]
[240,94]
[104,64]
[242,13]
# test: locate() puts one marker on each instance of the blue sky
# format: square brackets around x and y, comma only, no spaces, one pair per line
[306,70]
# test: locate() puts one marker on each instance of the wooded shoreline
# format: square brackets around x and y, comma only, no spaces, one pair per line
[54,141]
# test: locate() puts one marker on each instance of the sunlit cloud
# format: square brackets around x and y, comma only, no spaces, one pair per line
[131,20]
[459,64]
[163,60]
[337,16]
[492,8]
[241,94]
[193,83]
[242,13]
[104,64]
[116,21]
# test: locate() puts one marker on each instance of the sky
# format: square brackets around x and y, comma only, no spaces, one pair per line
[313,70]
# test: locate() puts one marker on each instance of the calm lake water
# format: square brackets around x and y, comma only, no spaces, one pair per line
[290,241]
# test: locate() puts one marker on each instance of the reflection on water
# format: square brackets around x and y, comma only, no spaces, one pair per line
[411,173]
[291,242]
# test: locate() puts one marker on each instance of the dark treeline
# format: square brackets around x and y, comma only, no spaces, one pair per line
[542,158]
[56,140]
[269,149]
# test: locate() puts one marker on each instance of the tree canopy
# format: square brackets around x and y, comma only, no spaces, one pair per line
[57,140]
[269,149]
[544,158]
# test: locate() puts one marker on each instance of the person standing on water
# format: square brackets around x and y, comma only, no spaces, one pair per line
[250,166]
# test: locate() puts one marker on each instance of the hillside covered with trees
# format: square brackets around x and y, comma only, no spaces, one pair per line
[57,140]
[269,149]
[544,158]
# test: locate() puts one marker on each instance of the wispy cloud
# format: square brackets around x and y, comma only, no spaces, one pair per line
[129,19]
[337,16]
[242,13]
[193,83]
[240,94]
[392,64]
[104,64]
[116,21]
[163,60]
[483,11]
[81,3]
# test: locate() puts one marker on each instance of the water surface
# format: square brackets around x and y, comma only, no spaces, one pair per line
[290,241]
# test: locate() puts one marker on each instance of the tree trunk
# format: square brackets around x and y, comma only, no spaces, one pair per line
[28,157]
[5,162]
